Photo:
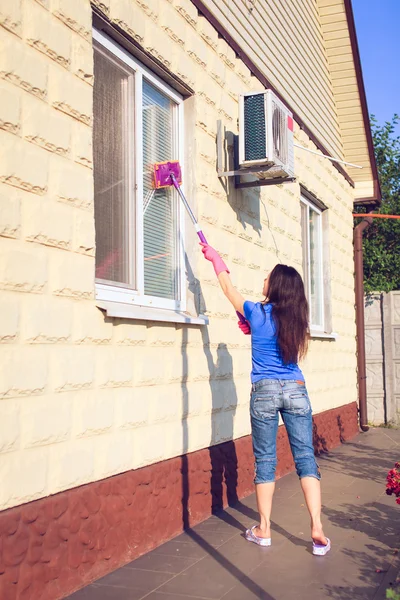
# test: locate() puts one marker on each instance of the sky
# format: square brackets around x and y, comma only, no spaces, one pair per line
[378,34]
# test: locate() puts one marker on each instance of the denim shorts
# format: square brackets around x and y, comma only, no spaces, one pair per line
[269,398]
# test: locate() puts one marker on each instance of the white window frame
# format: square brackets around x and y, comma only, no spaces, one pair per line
[109,292]
[310,206]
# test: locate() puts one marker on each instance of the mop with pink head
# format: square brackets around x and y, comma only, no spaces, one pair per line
[168,174]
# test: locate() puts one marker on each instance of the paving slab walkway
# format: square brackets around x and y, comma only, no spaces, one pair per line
[214,561]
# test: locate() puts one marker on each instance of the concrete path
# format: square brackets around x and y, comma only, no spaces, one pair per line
[214,561]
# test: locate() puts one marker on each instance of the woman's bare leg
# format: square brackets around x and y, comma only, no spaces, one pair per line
[312,493]
[264,495]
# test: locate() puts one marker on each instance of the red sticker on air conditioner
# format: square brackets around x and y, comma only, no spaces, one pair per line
[290,123]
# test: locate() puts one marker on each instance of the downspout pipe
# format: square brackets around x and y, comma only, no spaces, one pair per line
[360,321]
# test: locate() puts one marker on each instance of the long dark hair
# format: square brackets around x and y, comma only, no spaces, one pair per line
[289,312]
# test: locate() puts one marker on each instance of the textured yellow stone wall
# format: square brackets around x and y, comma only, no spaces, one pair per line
[84,397]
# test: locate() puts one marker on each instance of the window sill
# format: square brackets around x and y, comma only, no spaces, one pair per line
[321,335]
[144,313]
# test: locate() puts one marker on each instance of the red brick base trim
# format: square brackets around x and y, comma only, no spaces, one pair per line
[52,547]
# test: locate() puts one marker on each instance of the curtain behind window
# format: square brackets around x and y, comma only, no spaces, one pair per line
[111,129]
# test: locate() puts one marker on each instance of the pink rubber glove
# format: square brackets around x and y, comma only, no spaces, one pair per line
[213,256]
[244,327]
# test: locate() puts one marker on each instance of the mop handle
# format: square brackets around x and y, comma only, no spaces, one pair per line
[201,235]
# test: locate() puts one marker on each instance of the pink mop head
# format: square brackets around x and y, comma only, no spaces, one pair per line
[162,173]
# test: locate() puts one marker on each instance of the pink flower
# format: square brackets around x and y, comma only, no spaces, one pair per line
[393,482]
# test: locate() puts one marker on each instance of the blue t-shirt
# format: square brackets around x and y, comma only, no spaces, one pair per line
[266,356]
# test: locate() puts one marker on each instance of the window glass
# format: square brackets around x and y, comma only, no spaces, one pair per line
[159,206]
[311,228]
[315,272]
[138,252]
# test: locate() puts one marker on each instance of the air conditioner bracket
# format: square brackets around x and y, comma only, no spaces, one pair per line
[237,172]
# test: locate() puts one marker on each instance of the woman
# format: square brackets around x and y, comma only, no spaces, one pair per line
[279,329]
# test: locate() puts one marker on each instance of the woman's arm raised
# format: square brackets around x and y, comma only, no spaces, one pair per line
[234,297]
[222,272]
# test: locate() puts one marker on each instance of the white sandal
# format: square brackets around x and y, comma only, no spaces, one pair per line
[320,549]
[252,537]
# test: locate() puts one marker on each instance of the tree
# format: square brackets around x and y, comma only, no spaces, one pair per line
[382,239]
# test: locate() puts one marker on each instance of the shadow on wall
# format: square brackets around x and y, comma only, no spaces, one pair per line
[223,458]
[245,202]
[319,441]
[320,434]
[222,470]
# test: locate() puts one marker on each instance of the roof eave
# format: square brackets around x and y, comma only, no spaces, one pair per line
[376,198]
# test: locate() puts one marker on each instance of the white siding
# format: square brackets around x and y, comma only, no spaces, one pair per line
[285,41]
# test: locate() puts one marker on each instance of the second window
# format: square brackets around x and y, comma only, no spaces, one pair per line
[311,225]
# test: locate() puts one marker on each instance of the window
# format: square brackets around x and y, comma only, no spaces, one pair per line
[311,226]
[137,122]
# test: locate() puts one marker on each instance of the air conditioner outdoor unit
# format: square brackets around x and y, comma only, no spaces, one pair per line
[265,136]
